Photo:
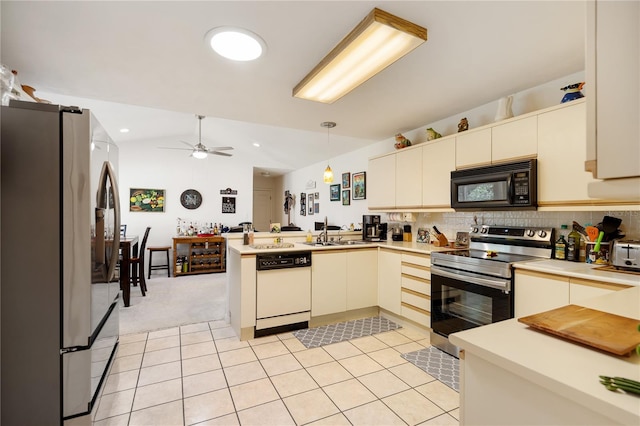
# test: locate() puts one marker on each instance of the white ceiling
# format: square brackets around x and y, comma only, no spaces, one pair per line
[144,65]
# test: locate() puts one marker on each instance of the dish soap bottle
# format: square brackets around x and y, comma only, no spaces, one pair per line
[309,236]
[561,246]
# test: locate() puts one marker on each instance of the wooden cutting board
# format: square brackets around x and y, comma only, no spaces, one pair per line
[601,330]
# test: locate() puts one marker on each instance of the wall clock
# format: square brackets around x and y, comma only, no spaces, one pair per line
[190,199]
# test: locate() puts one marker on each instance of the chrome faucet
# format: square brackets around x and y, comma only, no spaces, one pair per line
[325,237]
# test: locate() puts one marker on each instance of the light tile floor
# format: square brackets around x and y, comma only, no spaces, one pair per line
[202,374]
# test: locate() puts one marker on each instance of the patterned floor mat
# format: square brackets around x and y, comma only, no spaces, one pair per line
[334,333]
[439,364]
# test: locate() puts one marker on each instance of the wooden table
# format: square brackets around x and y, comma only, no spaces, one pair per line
[129,249]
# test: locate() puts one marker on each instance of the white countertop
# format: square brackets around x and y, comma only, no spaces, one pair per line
[560,366]
[587,271]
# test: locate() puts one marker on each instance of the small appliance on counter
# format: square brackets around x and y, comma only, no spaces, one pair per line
[397,234]
[372,229]
[626,255]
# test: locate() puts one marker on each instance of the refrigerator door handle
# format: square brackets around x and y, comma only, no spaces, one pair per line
[104,197]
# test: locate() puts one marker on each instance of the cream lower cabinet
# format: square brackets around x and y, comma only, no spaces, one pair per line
[580,289]
[389,271]
[416,288]
[328,282]
[362,278]
[537,292]
[438,159]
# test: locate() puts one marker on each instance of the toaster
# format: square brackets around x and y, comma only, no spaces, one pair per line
[626,254]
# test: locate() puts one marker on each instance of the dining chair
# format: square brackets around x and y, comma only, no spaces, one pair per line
[137,265]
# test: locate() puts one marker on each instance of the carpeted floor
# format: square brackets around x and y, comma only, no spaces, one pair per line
[171,302]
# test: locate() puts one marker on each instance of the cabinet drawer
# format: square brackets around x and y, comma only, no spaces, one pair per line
[416,271]
[416,259]
[418,285]
[414,314]
[416,299]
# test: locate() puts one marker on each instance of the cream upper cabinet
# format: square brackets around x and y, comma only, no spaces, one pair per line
[514,140]
[562,180]
[381,182]
[362,278]
[328,283]
[389,280]
[613,83]
[409,169]
[439,160]
[473,148]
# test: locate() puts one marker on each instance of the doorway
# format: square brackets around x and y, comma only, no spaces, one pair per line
[262,209]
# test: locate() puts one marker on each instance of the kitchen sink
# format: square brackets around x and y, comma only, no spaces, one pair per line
[337,243]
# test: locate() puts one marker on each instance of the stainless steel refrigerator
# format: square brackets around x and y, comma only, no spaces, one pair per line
[60,221]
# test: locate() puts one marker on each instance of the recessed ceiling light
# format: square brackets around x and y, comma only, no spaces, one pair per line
[256,144]
[124,130]
[236,44]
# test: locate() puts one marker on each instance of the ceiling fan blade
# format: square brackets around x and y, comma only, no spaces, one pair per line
[220,148]
[181,149]
[188,144]
[220,153]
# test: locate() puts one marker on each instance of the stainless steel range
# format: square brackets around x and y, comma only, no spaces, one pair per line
[474,287]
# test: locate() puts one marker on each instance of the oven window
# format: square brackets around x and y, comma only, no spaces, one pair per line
[471,307]
[485,191]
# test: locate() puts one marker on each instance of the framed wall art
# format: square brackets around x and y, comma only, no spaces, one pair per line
[228,204]
[346,180]
[303,204]
[146,200]
[310,204]
[346,197]
[334,192]
[359,185]
[191,199]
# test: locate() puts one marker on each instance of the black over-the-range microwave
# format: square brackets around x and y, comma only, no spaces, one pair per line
[501,187]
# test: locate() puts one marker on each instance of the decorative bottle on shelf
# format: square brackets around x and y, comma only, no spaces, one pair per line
[573,245]
[561,246]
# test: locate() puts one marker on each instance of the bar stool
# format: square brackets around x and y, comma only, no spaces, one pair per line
[153,267]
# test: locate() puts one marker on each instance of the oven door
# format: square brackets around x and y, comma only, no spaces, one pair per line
[461,300]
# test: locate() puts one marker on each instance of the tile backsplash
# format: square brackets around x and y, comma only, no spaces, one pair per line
[451,222]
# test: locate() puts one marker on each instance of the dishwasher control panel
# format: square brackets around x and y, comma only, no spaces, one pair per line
[298,259]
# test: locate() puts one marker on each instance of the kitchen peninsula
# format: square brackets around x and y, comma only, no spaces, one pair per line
[344,278]
[512,374]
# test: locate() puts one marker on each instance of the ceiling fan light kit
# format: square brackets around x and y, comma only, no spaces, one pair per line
[376,42]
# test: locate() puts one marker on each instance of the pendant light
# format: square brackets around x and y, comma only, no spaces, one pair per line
[328,173]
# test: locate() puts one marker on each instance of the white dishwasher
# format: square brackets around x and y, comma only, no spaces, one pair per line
[283,292]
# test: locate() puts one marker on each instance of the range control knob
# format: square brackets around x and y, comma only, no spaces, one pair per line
[542,233]
[474,230]
[530,233]
[628,262]
[484,230]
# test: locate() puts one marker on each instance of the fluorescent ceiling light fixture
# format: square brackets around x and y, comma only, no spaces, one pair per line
[374,44]
[236,44]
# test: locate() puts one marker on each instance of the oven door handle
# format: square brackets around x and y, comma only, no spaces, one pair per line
[504,285]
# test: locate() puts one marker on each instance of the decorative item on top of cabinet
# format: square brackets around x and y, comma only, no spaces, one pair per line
[572,92]
[504,108]
[401,141]
[432,134]
[463,125]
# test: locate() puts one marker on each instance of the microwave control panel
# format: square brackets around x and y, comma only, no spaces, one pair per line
[521,188]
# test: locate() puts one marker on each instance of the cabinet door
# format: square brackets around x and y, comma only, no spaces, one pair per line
[580,290]
[473,148]
[562,179]
[362,278]
[409,178]
[389,280]
[438,161]
[381,182]
[613,76]
[328,283]
[514,140]
[535,292]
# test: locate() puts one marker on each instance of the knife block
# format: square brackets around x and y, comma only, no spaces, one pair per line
[441,241]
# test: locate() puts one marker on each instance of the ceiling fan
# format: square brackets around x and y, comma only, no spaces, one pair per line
[199,150]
